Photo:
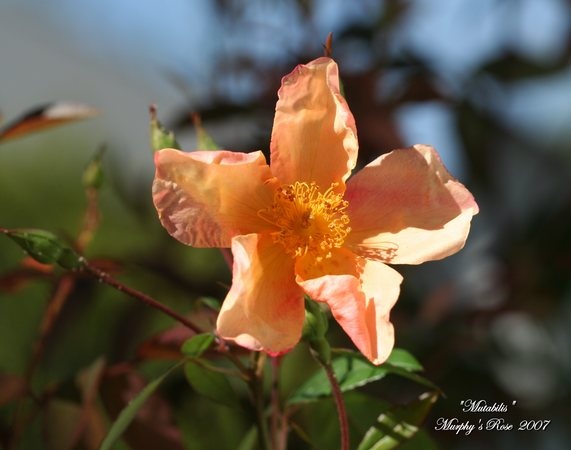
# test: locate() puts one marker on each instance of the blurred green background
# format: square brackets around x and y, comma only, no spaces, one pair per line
[487,83]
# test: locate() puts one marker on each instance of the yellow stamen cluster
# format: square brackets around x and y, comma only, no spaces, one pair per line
[308,220]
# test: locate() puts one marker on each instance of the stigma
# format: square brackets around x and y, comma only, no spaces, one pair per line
[308,220]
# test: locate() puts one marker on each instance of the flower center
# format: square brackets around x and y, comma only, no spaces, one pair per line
[309,221]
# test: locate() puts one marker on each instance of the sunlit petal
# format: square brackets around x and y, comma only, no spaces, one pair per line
[405,208]
[205,198]
[314,137]
[360,294]
[264,309]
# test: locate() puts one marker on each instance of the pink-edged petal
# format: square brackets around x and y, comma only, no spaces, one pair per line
[405,208]
[264,308]
[314,137]
[206,198]
[360,294]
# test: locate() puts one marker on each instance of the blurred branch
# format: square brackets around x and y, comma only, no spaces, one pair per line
[104,277]
[92,181]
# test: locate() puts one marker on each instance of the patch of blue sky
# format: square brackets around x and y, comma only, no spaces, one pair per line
[432,123]
[268,31]
[146,41]
[149,38]
[455,35]
[541,110]
[541,28]
[332,15]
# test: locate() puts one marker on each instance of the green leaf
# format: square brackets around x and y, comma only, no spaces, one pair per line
[61,418]
[197,345]
[130,411]
[413,377]
[398,424]
[353,371]
[210,302]
[45,247]
[160,137]
[420,440]
[250,440]
[403,359]
[211,384]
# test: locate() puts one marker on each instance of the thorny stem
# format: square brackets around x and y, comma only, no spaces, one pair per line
[340,405]
[275,401]
[51,313]
[224,350]
[109,280]
[278,425]
[257,390]
[21,420]
[104,277]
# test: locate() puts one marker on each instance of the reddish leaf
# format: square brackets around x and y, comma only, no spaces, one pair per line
[46,116]
[17,279]
[12,387]
[165,345]
[91,428]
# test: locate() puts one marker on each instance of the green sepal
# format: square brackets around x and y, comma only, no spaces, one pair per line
[314,330]
[316,323]
[321,350]
[204,140]
[160,137]
[45,247]
[93,172]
